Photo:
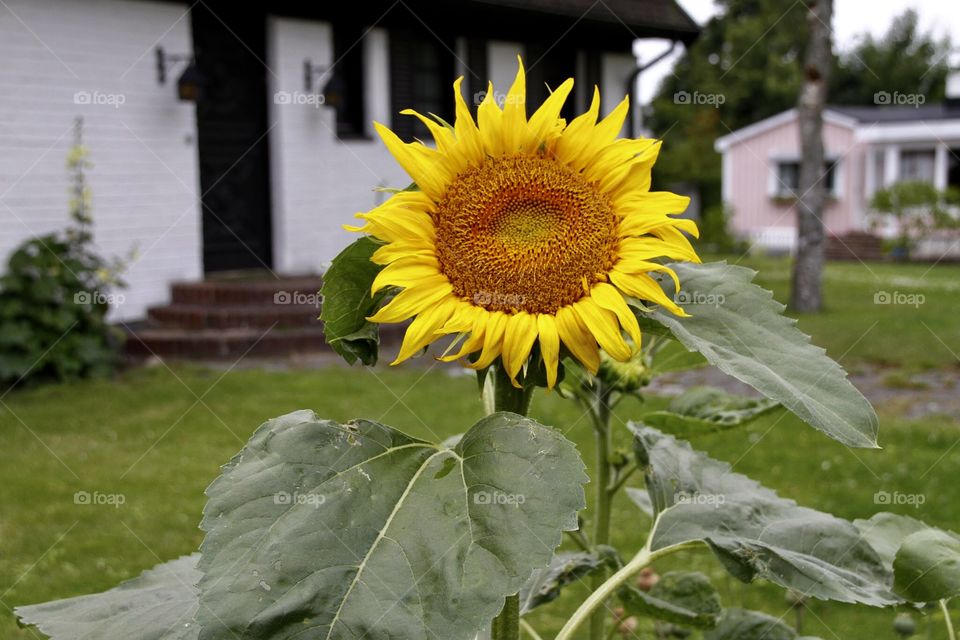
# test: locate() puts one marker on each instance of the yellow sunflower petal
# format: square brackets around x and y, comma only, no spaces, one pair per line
[406,272]
[679,243]
[450,154]
[397,250]
[496,324]
[640,285]
[520,334]
[468,136]
[604,327]
[615,162]
[515,113]
[607,297]
[475,341]
[634,178]
[549,346]
[543,123]
[412,301]
[577,338]
[430,178]
[461,320]
[422,331]
[489,121]
[677,248]
[577,133]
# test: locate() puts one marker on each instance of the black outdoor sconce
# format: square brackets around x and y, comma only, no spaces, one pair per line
[332,89]
[191,81]
[311,71]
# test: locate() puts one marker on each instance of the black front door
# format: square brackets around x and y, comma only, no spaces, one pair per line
[230,44]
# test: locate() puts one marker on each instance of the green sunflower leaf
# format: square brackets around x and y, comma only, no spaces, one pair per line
[545,584]
[739,327]
[320,529]
[702,410]
[347,303]
[927,566]
[752,531]
[159,604]
[679,597]
[925,560]
[740,624]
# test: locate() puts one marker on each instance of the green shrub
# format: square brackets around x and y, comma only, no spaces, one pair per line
[54,299]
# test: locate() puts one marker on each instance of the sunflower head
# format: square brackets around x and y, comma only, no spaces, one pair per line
[524,232]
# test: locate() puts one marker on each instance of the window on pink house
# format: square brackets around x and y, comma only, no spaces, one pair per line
[917,165]
[788,178]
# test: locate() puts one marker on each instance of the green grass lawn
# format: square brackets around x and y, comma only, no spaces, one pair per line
[157,437]
[912,332]
[147,438]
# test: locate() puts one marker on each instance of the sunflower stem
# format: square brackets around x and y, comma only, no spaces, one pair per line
[506,397]
[951,634]
[601,527]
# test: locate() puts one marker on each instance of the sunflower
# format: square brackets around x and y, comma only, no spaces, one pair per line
[524,230]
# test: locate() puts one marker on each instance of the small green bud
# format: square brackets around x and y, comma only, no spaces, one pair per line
[624,376]
[904,625]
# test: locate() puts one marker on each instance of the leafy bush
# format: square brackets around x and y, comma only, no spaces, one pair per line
[53,312]
[54,301]
[919,208]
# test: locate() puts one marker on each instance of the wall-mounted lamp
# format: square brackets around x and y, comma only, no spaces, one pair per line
[191,81]
[310,73]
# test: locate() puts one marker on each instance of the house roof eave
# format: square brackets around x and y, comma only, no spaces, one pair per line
[723,143]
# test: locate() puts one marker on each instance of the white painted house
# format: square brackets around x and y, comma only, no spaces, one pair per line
[866,149]
[273,149]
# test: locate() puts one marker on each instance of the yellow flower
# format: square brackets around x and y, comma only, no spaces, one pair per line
[525,230]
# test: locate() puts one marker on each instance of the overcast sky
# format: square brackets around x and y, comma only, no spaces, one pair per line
[850,19]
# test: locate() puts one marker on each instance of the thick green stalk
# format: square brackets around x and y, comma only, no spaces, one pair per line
[597,599]
[946,616]
[506,397]
[506,626]
[601,525]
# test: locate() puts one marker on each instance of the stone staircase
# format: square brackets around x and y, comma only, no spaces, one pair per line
[855,245]
[230,318]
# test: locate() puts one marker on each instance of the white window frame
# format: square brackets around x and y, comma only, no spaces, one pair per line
[775,187]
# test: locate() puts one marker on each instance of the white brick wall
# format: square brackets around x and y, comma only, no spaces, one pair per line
[144,177]
[318,181]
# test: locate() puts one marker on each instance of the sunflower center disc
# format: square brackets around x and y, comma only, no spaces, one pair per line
[524,233]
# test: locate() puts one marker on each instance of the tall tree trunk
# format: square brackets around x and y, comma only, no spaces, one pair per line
[808,267]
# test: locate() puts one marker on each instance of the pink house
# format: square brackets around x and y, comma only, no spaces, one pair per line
[866,149]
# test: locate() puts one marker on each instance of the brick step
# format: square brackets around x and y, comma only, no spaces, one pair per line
[854,246]
[198,316]
[213,344]
[294,291]
[233,343]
